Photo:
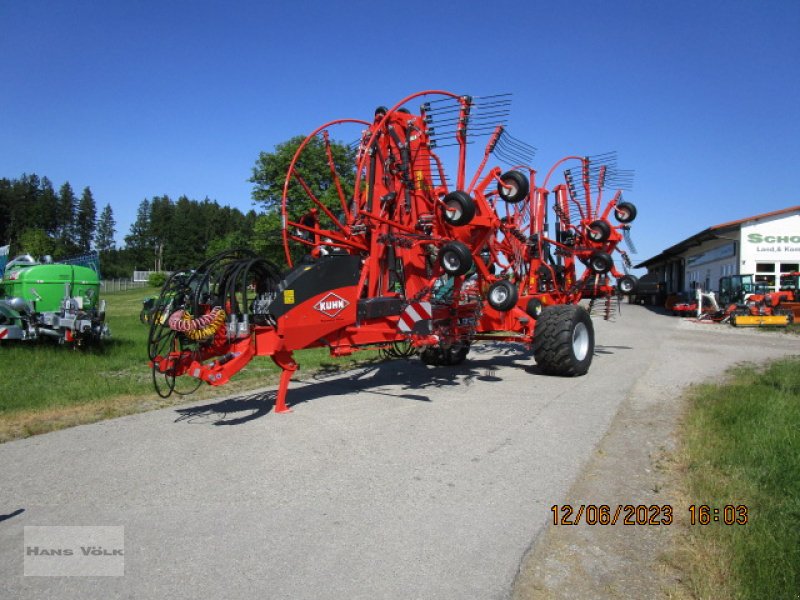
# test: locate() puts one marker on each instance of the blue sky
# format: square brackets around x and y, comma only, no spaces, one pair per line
[136,99]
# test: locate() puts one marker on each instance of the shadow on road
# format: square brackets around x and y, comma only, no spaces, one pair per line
[17,512]
[382,378]
[598,349]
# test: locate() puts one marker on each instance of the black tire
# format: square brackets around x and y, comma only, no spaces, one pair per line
[563,341]
[431,356]
[601,262]
[627,284]
[534,308]
[502,295]
[519,187]
[455,354]
[598,231]
[625,212]
[436,356]
[458,209]
[455,258]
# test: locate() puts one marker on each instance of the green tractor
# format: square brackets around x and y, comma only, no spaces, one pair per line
[47,299]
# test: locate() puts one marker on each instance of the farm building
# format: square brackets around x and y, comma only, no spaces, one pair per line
[766,246]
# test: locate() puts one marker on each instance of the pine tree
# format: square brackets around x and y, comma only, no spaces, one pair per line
[48,207]
[104,240]
[85,220]
[66,217]
[140,239]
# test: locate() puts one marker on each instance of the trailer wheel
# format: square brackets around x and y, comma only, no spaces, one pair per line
[563,342]
[455,258]
[627,284]
[598,231]
[518,189]
[458,209]
[600,262]
[502,295]
[625,212]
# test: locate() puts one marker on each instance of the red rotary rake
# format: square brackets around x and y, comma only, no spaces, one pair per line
[412,258]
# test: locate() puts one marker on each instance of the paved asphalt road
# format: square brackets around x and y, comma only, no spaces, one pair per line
[394,481]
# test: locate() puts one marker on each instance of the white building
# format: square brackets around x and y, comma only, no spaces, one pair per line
[766,246]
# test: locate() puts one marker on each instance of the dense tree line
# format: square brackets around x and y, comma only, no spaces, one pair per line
[168,234]
[37,219]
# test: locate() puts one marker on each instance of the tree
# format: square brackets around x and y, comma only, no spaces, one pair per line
[313,167]
[48,207]
[140,240]
[269,175]
[66,218]
[36,242]
[85,224]
[104,240]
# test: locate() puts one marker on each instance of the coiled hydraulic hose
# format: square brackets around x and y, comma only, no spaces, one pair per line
[200,328]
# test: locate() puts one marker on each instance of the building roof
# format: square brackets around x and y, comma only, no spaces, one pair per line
[713,232]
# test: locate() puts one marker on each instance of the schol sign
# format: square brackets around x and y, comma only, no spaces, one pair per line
[771,246]
[758,238]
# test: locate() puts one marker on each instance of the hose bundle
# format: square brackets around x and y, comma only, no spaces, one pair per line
[200,328]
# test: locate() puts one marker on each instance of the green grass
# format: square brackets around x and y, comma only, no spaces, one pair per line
[742,444]
[42,379]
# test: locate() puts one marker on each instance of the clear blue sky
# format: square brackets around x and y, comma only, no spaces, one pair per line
[137,99]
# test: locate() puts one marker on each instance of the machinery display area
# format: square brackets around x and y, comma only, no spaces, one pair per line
[745,303]
[415,257]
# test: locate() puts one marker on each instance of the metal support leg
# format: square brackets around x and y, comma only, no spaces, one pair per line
[286,362]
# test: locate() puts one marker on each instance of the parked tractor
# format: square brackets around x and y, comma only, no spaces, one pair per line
[54,300]
[413,258]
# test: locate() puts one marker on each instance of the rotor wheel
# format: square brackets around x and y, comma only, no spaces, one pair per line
[514,187]
[598,231]
[601,262]
[534,308]
[625,212]
[458,208]
[627,284]
[502,295]
[455,258]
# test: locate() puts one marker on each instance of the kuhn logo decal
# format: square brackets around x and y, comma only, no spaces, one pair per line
[331,305]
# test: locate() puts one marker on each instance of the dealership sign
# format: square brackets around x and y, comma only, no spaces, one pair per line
[770,243]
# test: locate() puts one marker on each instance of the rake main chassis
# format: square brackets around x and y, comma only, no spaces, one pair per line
[413,259]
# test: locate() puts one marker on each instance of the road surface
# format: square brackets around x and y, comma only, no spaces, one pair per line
[393,481]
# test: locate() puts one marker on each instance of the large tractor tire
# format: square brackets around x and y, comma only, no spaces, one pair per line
[563,342]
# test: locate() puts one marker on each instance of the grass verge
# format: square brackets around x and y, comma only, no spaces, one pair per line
[742,447]
[44,386]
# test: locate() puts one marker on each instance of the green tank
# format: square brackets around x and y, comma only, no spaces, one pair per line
[50,299]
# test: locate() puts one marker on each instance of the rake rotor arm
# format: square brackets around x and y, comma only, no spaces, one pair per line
[292,169]
[335,175]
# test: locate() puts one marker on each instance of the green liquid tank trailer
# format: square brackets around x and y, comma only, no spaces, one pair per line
[57,300]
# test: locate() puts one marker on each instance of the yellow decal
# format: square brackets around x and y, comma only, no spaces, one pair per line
[288,296]
[420,177]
